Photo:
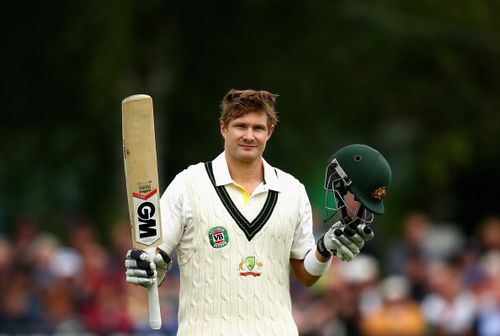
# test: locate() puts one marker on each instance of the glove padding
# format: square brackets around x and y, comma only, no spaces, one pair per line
[345,241]
[141,270]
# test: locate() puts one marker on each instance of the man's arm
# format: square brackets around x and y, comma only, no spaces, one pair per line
[300,272]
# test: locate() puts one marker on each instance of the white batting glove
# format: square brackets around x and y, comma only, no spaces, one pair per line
[346,242]
[140,270]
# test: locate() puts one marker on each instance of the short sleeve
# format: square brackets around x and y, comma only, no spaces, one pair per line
[303,240]
[175,213]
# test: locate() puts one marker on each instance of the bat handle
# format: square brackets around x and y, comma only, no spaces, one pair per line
[153,299]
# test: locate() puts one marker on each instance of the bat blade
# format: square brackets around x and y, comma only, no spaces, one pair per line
[141,176]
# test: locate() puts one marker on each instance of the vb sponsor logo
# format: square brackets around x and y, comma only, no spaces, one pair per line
[218,237]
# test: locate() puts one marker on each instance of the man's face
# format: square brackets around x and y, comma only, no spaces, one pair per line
[352,205]
[245,137]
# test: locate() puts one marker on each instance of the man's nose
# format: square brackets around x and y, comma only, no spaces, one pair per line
[249,135]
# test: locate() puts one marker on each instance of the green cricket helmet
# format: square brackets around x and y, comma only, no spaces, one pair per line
[361,170]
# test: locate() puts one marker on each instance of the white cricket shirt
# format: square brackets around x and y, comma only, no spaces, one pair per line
[177,216]
[234,249]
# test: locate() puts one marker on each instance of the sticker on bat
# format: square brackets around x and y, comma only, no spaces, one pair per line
[146,217]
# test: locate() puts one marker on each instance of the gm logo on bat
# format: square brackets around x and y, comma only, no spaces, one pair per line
[146,217]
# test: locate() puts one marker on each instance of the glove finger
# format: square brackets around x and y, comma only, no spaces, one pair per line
[349,232]
[342,250]
[145,264]
[146,282]
[137,255]
[345,258]
[148,267]
[354,236]
[358,240]
[163,260]
[346,254]
[130,263]
[349,244]
[139,273]
[366,232]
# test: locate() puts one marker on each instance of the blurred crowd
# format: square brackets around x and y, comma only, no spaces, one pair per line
[431,279]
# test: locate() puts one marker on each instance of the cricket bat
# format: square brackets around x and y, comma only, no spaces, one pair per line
[141,176]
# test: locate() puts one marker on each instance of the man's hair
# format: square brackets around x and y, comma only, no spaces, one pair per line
[237,103]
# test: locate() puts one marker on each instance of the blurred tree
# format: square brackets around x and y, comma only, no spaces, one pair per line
[417,80]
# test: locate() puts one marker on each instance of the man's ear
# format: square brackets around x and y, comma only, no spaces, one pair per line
[222,129]
[271,131]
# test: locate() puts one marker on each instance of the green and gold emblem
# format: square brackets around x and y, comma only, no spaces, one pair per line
[379,193]
[250,263]
[250,266]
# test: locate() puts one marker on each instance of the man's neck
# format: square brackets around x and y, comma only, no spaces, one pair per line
[247,174]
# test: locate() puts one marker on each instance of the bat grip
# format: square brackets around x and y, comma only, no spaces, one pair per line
[153,299]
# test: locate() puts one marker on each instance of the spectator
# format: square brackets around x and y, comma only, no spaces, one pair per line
[488,323]
[415,230]
[489,234]
[444,241]
[408,256]
[449,307]
[399,315]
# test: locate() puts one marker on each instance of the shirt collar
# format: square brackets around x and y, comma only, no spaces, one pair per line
[222,176]
[221,170]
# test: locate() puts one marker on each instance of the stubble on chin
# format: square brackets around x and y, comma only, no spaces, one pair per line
[245,156]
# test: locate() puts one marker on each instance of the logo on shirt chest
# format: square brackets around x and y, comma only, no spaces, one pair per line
[250,266]
[218,237]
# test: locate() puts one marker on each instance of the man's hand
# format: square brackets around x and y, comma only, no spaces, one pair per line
[344,241]
[143,271]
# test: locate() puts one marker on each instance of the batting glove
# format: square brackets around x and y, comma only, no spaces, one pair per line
[141,270]
[344,241]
